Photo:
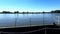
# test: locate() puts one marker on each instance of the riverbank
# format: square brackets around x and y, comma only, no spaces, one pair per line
[30,13]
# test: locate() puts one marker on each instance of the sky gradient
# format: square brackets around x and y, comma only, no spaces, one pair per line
[29,5]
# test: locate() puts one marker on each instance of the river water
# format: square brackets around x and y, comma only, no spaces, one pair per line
[22,20]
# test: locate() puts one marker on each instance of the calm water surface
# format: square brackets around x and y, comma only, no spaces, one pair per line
[11,20]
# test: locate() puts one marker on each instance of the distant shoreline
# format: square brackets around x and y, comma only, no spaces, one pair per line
[17,12]
[26,13]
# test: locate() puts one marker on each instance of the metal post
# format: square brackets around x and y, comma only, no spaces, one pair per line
[45,31]
[16,16]
[44,23]
[15,20]
[43,18]
[30,21]
[58,19]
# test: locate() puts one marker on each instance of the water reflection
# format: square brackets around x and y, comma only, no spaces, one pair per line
[10,20]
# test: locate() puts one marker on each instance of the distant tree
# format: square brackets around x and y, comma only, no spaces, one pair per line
[32,12]
[16,12]
[27,12]
[52,11]
[23,12]
[43,12]
[6,12]
[56,11]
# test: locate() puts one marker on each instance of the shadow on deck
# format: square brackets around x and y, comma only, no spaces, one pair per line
[49,29]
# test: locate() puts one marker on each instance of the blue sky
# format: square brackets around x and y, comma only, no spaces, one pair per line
[29,5]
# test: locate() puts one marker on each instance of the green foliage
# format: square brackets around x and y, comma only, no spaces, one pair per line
[56,11]
[16,12]
[6,12]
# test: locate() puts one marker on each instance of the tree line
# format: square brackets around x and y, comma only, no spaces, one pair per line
[55,11]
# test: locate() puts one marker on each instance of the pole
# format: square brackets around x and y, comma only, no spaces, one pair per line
[43,18]
[44,23]
[16,16]
[30,21]
[58,19]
